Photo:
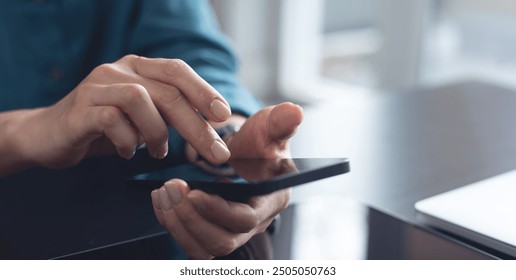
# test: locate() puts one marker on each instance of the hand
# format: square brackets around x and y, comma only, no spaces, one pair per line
[121,105]
[266,134]
[206,225]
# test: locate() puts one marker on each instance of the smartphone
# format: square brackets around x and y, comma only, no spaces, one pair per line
[238,180]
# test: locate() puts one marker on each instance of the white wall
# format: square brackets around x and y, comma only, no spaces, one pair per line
[252,26]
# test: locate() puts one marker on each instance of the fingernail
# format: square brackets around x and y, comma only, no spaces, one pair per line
[155,199]
[220,151]
[220,110]
[162,153]
[174,193]
[164,200]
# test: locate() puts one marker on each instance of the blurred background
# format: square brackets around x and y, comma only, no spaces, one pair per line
[312,51]
[288,47]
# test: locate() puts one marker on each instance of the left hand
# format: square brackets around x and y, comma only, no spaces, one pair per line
[205,225]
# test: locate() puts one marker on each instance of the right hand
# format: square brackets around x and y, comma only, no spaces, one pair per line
[119,106]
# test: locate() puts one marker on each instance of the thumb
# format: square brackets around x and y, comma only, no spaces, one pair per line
[283,121]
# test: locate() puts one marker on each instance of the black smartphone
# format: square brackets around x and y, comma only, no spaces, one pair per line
[238,180]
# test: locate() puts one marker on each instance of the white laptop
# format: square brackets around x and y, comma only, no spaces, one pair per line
[484,212]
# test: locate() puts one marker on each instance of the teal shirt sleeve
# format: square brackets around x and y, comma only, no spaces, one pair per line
[48,47]
[187,30]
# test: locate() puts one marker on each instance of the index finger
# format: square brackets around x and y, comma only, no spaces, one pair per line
[179,74]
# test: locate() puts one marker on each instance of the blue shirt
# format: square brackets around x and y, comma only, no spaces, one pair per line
[48,46]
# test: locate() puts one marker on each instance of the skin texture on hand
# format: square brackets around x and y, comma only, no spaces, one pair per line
[121,105]
[267,133]
[205,225]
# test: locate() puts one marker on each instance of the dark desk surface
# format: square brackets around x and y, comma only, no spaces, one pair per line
[404,147]
[49,214]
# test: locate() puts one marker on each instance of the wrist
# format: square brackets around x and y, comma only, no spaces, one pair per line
[14,140]
[25,135]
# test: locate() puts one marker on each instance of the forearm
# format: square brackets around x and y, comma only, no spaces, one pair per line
[13,135]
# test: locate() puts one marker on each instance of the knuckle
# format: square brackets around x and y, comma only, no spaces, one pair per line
[135,94]
[172,97]
[84,90]
[108,70]
[109,117]
[175,66]
[128,59]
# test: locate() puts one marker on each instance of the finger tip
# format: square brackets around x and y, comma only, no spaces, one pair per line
[177,183]
[126,153]
[284,120]
[220,152]
[220,109]
[288,111]
[155,199]
[300,113]
[296,113]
